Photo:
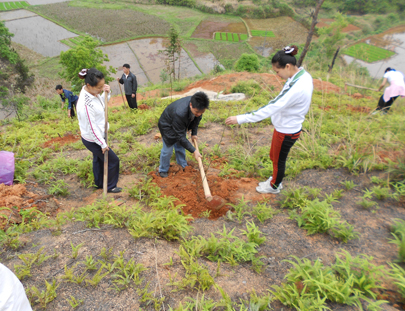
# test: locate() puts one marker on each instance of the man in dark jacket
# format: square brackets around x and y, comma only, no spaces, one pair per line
[72,99]
[180,116]
[130,86]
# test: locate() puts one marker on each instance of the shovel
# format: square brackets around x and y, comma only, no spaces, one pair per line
[214,202]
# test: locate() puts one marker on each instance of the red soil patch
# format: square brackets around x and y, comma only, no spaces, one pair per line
[187,187]
[17,197]
[207,28]
[66,139]
[350,28]
[358,108]
[144,107]
[387,155]
[226,82]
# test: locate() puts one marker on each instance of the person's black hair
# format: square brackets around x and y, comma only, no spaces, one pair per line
[59,87]
[91,76]
[126,66]
[389,69]
[200,101]
[285,56]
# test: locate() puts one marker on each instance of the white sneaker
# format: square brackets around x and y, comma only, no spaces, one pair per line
[267,182]
[375,112]
[268,189]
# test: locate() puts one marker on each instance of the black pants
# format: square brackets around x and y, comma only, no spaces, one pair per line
[73,110]
[131,101]
[98,165]
[382,105]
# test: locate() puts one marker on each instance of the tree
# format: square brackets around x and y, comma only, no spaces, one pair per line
[172,53]
[311,31]
[84,55]
[6,51]
[247,62]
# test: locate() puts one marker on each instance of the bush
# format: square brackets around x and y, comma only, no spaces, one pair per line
[247,62]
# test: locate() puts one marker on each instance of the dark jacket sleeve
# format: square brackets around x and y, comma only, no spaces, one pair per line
[179,128]
[134,84]
[70,97]
[121,81]
[63,99]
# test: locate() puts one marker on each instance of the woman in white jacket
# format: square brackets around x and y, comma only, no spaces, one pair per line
[287,112]
[90,113]
[396,88]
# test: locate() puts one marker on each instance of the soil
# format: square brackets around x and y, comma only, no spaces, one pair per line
[61,141]
[187,187]
[16,198]
[207,28]
[325,22]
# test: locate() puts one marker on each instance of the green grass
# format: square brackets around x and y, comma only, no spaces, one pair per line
[229,36]
[223,36]
[243,37]
[72,42]
[262,33]
[367,52]
[235,37]
[6,6]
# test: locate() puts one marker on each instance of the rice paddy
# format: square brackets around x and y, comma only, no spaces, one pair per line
[368,53]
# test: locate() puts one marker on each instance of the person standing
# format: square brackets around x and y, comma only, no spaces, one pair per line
[91,116]
[391,93]
[179,117]
[130,86]
[287,112]
[72,99]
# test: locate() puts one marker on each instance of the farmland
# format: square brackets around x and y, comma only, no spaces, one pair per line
[122,24]
[228,36]
[262,33]
[367,52]
[6,6]
[208,27]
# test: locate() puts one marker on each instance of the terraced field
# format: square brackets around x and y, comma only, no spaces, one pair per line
[6,6]
[368,53]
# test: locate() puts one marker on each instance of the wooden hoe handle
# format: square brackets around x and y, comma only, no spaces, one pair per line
[207,191]
[105,177]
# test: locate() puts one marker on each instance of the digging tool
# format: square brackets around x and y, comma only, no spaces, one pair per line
[359,87]
[123,100]
[214,202]
[105,179]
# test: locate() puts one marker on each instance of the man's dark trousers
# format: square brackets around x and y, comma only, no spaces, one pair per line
[132,101]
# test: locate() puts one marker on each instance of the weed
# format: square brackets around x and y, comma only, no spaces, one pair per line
[90,263]
[145,191]
[59,187]
[263,211]
[97,277]
[205,214]
[75,250]
[320,217]
[348,184]
[298,197]
[381,193]
[398,231]
[29,259]
[253,234]
[45,296]
[366,203]
[106,254]
[126,272]
[74,303]
[241,210]
[398,274]
[149,297]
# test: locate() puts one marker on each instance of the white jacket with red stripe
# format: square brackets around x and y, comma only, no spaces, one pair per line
[288,109]
[91,116]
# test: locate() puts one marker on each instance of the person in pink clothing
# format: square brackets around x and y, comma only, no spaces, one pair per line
[391,93]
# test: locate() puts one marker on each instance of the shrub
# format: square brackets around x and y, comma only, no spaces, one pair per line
[247,62]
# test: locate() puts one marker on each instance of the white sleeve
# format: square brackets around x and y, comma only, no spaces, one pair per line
[95,132]
[283,100]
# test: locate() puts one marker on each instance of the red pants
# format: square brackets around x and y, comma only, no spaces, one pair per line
[280,147]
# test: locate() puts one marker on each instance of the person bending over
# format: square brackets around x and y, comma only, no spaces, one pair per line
[179,117]
[287,112]
[72,99]
[391,93]
[91,116]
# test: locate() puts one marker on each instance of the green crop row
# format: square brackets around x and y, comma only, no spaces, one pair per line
[262,33]
[6,6]
[368,53]
[72,42]
[229,36]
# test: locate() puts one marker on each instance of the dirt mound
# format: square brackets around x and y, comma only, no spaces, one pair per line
[144,107]
[15,198]
[61,141]
[187,187]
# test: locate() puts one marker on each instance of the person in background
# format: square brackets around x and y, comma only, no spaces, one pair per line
[391,93]
[12,293]
[180,116]
[287,112]
[72,99]
[91,116]
[130,86]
